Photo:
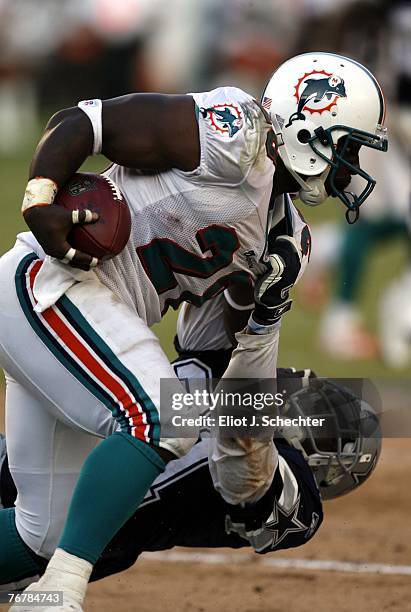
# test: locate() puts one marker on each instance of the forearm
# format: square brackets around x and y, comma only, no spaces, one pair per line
[139,130]
[243,468]
[65,145]
[255,356]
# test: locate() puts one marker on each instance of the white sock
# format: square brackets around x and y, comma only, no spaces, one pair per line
[67,573]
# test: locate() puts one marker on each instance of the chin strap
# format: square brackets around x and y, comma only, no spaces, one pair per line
[313,192]
[352,215]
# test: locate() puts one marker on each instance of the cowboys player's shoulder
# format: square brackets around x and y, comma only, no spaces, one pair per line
[233,130]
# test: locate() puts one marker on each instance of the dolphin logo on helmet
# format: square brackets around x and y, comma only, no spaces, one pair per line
[315,91]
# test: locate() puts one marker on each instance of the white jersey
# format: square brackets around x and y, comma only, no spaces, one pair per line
[195,232]
[204,329]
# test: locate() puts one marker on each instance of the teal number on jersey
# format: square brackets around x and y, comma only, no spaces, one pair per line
[162,257]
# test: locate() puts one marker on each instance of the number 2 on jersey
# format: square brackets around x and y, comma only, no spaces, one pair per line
[162,257]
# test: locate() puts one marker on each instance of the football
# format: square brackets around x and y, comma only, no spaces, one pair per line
[108,236]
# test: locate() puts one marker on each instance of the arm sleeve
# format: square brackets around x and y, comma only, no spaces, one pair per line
[243,469]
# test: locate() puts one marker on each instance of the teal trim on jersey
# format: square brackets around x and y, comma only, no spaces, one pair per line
[113,482]
[114,363]
[16,561]
[197,112]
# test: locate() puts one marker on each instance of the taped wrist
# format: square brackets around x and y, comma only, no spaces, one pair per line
[259,327]
[40,191]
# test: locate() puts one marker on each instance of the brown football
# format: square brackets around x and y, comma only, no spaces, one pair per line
[108,236]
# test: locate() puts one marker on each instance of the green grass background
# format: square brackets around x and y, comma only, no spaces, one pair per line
[298,345]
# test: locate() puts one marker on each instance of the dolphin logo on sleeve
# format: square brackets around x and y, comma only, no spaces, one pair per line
[224,118]
[326,89]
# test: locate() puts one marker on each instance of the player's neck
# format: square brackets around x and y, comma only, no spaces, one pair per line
[283,182]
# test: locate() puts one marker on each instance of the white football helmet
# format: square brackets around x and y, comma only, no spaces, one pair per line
[314,100]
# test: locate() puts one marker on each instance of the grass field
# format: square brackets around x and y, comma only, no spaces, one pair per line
[298,346]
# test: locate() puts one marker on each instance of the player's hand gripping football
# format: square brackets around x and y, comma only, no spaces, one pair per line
[51,226]
[271,293]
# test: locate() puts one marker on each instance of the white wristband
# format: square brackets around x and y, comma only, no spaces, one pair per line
[39,192]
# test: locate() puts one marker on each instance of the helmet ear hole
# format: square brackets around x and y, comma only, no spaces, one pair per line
[303,136]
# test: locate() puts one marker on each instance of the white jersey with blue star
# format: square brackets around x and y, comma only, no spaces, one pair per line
[191,231]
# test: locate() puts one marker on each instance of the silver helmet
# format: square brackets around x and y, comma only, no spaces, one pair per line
[344,451]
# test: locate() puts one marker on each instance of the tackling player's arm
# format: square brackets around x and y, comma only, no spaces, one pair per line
[146,131]
[270,294]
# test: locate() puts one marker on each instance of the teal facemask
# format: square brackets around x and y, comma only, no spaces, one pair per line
[374,141]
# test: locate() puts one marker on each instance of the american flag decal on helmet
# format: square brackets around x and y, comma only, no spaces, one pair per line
[267,103]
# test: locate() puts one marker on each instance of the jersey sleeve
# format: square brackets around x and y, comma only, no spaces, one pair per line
[233,131]
[296,508]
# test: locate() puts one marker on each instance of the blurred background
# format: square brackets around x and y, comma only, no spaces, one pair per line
[352,313]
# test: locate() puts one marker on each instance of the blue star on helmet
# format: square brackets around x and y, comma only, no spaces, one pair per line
[282,522]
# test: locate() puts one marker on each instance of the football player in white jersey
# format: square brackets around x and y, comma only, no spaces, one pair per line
[201,190]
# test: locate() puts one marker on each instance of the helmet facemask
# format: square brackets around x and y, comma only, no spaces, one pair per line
[347,136]
[339,451]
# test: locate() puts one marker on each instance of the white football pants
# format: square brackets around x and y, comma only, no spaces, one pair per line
[87,365]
